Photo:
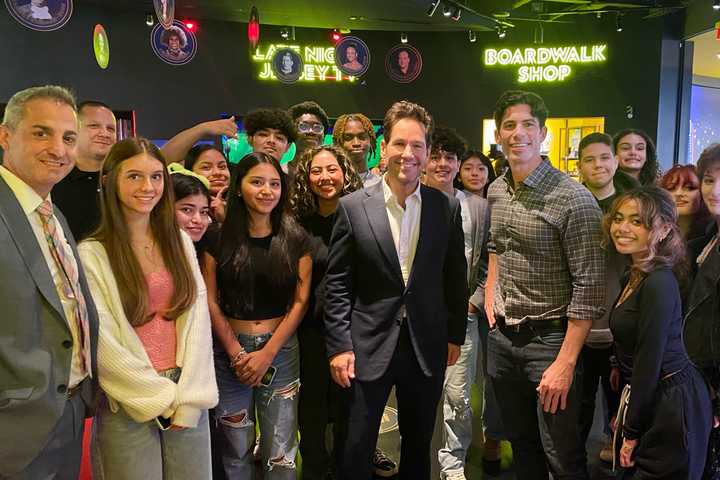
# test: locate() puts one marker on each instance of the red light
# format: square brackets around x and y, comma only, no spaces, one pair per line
[253,31]
[190,26]
[336,35]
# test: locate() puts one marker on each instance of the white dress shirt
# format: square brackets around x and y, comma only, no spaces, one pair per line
[29,201]
[404,225]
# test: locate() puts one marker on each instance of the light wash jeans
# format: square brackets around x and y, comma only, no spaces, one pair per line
[276,407]
[457,412]
[124,449]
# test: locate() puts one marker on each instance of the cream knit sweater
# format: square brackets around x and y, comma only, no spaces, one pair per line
[125,372]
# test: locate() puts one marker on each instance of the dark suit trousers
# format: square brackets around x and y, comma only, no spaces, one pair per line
[60,458]
[417,398]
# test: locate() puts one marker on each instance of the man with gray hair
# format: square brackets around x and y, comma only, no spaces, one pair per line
[48,335]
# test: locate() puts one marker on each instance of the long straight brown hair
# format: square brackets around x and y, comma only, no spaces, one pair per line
[114,234]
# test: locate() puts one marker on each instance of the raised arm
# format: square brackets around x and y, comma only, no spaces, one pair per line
[177,147]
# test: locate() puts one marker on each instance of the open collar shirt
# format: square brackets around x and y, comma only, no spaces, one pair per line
[546,237]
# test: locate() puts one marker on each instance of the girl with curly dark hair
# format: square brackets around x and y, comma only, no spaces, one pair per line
[665,414]
[323,175]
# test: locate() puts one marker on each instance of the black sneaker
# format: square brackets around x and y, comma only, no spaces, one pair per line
[383,466]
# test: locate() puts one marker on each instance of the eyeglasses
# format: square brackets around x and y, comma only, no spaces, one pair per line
[304,127]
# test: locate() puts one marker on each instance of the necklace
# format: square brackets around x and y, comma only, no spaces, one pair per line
[633,283]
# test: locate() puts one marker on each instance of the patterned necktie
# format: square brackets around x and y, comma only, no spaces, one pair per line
[70,280]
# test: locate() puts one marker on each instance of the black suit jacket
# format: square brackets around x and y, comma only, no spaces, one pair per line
[365,288]
[34,354]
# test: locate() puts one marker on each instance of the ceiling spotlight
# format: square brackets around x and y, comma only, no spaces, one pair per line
[716,4]
[501,32]
[403,38]
[285,33]
[447,11]
[149,20]
[471,36]
[433,6]
[618,23]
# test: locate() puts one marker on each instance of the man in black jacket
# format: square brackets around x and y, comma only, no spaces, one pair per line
[396,298]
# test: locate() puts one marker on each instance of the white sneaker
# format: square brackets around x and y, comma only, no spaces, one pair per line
[457,475]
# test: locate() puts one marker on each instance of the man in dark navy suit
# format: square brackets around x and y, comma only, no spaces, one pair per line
[396,299]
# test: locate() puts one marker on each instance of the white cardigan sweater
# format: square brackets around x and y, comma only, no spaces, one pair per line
[125,372]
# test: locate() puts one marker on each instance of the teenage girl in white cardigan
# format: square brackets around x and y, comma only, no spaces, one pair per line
[155,361]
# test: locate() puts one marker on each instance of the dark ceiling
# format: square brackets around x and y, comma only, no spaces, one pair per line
[404,15]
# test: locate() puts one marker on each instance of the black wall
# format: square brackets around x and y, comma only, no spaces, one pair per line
[455,86]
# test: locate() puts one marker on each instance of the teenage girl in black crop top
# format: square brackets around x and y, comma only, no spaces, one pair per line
[666,425]
[258,278]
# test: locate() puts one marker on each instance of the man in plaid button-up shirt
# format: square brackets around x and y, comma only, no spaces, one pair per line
[545,286]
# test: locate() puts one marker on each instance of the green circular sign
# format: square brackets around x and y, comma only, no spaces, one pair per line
[101,46]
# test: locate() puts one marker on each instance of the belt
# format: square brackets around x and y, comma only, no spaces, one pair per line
[530,325]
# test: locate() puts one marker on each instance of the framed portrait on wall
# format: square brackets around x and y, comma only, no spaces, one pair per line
[403,63]
[287,65]
[40,15]
[176,45]
[352,56]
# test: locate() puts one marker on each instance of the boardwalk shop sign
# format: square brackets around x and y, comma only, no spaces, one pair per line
[544,64]
[318,63]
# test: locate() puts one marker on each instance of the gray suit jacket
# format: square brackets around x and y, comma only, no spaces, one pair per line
[35,340]
[477,269]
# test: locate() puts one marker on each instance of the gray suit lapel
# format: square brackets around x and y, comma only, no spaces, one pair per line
[26,243]
[374,205]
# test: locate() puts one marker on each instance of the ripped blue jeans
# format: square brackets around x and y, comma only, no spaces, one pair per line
[276,409]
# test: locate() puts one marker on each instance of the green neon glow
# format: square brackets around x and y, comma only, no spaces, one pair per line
[319,63]
[545,64]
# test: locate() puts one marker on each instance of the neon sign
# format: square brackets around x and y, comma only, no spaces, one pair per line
[545,64]
[319,63]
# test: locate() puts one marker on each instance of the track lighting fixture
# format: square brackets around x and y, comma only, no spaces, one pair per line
[403,38]
[716,5]
[501,32]
[149,20]
[618,23]
[433,7]
[285,33]
[471,36]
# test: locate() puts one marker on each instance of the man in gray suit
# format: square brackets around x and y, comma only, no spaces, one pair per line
[48,332]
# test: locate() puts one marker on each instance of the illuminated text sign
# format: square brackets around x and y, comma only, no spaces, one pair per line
[319,63]
[545,64]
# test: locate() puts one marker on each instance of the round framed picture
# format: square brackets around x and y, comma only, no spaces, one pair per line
[403,63]
[101,46]
[165,12]
[352,56]
[287,65]
[176,45]
[41,15]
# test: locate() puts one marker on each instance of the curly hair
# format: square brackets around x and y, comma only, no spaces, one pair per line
[264,118]
[448,140]
[303,201]
[650,170]
[173,31]
[312,108]
[658,215]
[341,125]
